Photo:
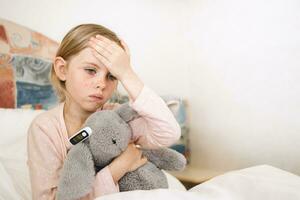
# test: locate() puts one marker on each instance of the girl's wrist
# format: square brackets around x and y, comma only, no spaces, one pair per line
[132,83]
[126,75]
[116,171]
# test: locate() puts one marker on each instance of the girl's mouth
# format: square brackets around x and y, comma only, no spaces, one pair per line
[96,98]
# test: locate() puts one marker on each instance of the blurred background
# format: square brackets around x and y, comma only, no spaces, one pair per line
[235,63]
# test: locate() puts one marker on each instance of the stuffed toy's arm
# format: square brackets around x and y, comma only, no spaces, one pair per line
[78,174]
[166,158]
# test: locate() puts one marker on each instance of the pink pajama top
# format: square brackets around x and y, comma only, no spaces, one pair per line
[48,143]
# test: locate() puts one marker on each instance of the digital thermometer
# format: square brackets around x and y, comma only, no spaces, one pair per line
[81,135]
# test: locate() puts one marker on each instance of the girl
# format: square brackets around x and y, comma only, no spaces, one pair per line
[88,65]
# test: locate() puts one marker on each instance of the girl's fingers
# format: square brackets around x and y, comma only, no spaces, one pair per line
[108,43]
[102,59]
[104,39]
[104,45]
[143,160]
[112,44]
[125,47]
[100,49]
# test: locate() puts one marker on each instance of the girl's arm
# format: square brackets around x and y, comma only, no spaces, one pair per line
[157,126]
[128,161]
[45,162]
[117,61]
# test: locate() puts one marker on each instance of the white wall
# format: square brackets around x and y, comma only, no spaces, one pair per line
[152,29]
[245,83]
[237,62]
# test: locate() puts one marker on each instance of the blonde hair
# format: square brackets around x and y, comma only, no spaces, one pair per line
[73,42]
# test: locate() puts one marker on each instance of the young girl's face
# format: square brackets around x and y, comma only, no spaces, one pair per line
[88,81]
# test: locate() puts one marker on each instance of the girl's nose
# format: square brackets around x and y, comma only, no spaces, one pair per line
[100,83]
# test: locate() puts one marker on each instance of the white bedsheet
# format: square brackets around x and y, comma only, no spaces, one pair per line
[14,174]
[14,171]
[254,183]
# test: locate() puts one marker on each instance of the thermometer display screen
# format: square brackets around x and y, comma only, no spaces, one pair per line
[82,135]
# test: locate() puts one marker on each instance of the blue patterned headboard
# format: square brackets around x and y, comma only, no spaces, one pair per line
[25,62]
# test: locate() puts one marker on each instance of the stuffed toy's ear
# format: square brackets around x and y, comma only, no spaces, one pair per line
[126,112]
[77,175]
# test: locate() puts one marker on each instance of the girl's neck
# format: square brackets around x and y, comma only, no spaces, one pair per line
[74,117]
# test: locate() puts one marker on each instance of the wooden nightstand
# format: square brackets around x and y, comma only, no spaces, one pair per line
[192,176]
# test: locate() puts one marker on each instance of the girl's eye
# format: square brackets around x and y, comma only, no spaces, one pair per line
[91,71]
[111,77]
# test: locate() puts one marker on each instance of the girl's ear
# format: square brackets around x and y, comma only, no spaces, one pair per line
[60,68]
[126,112]
[78,173]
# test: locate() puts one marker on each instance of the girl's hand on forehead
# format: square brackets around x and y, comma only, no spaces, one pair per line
[111,55]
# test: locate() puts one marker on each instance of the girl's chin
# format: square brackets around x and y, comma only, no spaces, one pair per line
[92,107]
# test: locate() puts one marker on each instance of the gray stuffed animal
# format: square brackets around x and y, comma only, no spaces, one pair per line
[111,135]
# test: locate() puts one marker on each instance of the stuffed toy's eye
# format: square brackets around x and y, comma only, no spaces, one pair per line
[114,141]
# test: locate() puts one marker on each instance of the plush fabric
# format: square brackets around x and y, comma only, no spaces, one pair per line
[111,135]
[178,107]
[14,175]
[25,62]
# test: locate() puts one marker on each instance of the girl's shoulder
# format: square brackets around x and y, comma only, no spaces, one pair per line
[50,116]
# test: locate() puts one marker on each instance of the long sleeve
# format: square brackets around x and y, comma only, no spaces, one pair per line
[156,126]
[104,183]
[48,144]
[44,164]
[45,161]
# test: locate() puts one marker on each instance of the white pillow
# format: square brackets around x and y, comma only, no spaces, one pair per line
[7,189]
[174,183]
[14,124]
[13,152]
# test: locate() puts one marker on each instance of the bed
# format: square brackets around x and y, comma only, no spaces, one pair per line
[22,51]
[257,182]
[14,175]
[261,182]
